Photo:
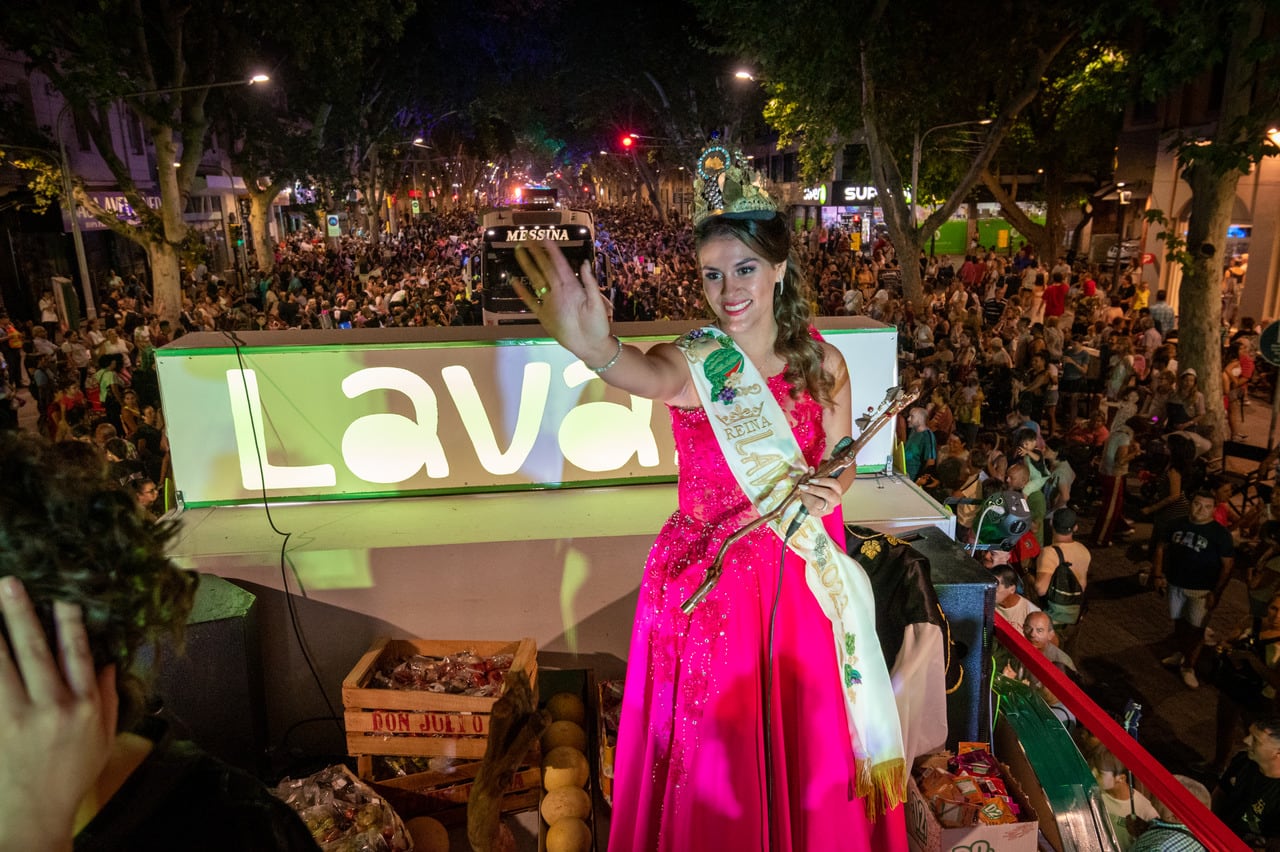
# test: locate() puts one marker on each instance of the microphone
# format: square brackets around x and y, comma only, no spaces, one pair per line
[837,456]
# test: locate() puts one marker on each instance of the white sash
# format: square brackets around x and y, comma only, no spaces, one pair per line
[766,461]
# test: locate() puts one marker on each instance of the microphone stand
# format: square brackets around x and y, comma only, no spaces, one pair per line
[843,456]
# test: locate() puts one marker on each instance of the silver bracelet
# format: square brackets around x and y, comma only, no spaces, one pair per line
[616,357]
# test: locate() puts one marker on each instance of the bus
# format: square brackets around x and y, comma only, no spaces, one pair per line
[503,230]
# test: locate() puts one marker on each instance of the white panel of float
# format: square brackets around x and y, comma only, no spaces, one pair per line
[413,412]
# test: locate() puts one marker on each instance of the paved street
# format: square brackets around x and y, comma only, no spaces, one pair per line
[1127,632]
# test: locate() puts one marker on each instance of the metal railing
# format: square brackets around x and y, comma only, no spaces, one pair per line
[1207,828]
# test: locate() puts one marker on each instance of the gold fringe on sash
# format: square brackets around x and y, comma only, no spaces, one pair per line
[882,787]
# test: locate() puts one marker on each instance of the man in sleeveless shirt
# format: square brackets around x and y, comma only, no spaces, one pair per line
[1064,548]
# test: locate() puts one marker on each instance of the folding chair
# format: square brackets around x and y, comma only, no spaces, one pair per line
[1247,485]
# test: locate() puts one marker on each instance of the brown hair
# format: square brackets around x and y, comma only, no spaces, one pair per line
[70,532]
[791,307]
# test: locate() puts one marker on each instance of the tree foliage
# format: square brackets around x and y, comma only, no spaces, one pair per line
[882,75]
[1188,41]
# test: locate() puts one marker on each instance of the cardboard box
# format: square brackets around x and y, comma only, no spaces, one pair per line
[926,834]
[417,722]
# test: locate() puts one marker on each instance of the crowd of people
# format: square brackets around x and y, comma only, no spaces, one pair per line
[1044,378]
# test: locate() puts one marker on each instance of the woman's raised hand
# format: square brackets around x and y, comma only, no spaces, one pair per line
[573,312]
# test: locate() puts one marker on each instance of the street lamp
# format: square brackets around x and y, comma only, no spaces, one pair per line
[917,146]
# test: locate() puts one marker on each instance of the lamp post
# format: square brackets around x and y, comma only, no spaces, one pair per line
[73,208]
[1122,201]
[916,150]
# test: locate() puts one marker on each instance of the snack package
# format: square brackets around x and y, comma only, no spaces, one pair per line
[996,812]
[343,813]
[977,763]
[965,748]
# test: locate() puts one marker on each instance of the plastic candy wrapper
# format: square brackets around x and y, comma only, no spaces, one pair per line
[343,813]
[464,673]
[966,789]
[396,766]
[977,763]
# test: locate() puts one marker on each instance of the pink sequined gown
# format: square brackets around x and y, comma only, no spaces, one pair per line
[690,770]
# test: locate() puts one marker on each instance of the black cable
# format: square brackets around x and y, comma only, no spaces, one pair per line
[768,704]
[237,343]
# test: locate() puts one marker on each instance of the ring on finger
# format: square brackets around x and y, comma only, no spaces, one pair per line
[542,291]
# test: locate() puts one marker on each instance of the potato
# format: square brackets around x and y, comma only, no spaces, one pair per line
[564,767]
[569,835]
[564,802]
[564,733]
[428,835]
[567,707]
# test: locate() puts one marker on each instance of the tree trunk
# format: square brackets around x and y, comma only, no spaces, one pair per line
[1200,293]
[260,223]
[166,280]
[1213,182]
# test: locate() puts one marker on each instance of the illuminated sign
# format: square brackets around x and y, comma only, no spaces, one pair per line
[816,193]
[113,202]
[847,193]
[358,419]
[516,235]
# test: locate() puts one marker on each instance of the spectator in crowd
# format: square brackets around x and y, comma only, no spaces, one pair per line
[1125,805]
[921,446]
[1166,833]
[1192,565]
[1247,797]
[80,759]
[1062,575]
[1113,467]
[1011,606]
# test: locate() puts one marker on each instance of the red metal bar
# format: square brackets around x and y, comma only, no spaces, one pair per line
[1207,828]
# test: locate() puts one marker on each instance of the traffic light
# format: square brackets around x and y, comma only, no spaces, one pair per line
[628,141]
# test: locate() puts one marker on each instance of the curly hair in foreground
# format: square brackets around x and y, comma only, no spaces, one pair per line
[791,307]
[69,532]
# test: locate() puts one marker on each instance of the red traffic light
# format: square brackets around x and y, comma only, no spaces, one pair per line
[628,141]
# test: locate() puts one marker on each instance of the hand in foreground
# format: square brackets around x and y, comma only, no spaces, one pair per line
[573,312]
[57,723]
[821,496]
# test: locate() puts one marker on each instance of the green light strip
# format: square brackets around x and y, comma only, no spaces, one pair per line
[440,492]
[389,347]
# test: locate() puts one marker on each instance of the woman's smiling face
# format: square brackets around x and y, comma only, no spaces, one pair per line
[739,284]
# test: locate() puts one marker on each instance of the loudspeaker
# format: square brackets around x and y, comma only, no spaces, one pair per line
[212,688]
[967,594]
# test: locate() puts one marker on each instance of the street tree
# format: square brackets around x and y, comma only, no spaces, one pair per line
[161,60]
[884,75]
[1189,41]
[1061,150]
[283,138]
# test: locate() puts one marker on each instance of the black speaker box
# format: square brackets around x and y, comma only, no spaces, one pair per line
[967,594]
[212,689]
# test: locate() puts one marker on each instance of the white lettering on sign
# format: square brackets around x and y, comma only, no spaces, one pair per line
[537,382]
[627,429]
[246,410]
[860,193]
[523,234]
[816,193]
[386,448]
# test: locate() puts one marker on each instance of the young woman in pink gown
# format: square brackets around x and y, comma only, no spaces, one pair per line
[690,768]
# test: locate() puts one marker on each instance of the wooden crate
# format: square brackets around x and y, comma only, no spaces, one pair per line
[417,722]
[444,795]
